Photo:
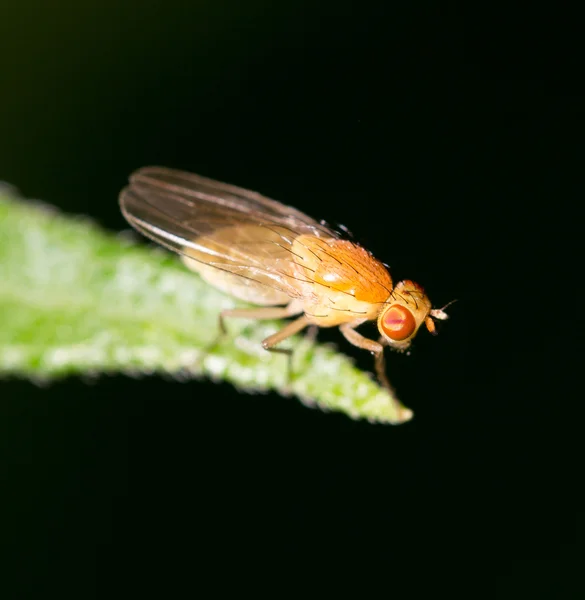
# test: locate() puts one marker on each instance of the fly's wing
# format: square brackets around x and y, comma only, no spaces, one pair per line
[219,225]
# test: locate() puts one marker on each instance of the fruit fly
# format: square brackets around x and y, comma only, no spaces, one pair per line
[276,257]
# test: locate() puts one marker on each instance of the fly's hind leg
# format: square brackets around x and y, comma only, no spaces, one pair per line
[263,313]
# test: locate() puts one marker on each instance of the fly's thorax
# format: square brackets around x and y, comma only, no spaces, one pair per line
[405,311]
[340,281]
[328,266]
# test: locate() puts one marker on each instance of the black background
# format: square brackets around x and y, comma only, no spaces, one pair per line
[450,141]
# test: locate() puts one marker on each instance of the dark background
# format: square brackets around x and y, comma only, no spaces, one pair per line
[450,141]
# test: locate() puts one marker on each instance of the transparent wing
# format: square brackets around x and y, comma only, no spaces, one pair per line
[219,225]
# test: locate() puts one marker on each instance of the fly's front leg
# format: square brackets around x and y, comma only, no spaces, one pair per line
[376,348]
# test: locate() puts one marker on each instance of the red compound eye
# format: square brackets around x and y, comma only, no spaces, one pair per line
[398,323]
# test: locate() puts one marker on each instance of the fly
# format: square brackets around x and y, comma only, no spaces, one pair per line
[276,257]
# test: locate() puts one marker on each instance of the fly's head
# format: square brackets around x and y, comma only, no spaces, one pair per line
[404,312]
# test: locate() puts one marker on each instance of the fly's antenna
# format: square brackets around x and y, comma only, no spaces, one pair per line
[439,313]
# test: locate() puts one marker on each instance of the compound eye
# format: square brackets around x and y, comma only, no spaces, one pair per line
[398,323]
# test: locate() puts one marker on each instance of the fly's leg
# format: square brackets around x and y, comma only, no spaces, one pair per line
[286,332]
[312,332]
[259,314]
[377,349]
[263,313]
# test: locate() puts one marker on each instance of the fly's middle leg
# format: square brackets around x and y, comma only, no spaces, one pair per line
[270,342]
[258,314]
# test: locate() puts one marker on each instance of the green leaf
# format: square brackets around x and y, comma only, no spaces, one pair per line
[77,300]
